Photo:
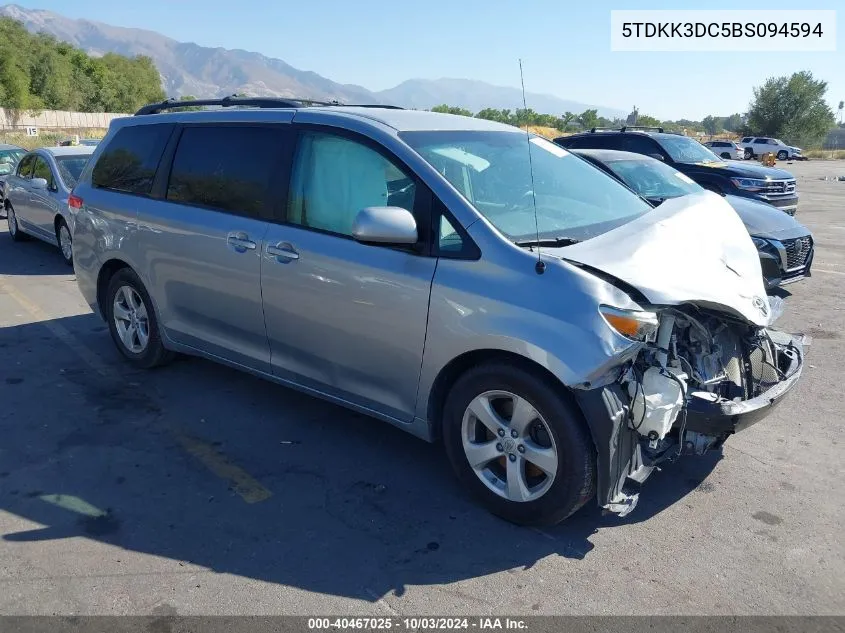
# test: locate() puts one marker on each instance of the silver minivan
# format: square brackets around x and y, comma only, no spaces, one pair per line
[461,279]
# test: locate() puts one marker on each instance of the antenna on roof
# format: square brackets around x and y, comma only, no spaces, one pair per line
[540,266]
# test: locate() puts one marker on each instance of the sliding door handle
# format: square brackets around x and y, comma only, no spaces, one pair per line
[282,251]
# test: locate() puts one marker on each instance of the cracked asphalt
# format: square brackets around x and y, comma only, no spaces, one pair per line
[195,489]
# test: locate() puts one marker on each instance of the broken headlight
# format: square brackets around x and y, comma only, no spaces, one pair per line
[638,325]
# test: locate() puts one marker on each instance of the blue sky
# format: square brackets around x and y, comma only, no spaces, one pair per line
[565,47]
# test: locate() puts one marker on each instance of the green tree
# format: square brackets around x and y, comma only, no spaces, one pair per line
[648,121]
[792,108]
[711,124]
[37,72]
[733,123]
[447,109]
[589,119]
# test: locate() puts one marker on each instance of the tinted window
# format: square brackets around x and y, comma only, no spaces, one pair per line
[334,178]
[639,144]
[227,168]
[70,168]
[25,166]
[761,141]
[129,162]
[42,170]
[747,139]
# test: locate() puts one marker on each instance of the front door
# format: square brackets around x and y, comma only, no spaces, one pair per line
[203,244]
[42,202]
[345,318]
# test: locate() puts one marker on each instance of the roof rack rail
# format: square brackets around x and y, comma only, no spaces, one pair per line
[251,102]
[593,129]
[640,127]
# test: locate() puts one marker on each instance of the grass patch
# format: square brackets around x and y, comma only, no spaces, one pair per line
[48,139]
[825,154]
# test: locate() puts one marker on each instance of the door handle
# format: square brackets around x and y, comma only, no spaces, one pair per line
[282,250]
[240,242]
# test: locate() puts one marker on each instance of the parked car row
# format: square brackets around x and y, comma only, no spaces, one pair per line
[563,321]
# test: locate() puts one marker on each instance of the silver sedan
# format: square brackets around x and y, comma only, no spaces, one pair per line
[37,195]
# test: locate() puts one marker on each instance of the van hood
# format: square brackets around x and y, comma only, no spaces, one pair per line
[694,249]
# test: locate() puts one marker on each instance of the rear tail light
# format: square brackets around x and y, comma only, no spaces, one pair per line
[74,203]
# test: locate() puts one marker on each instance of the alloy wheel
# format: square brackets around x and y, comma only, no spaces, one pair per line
[131,319]
[509,446]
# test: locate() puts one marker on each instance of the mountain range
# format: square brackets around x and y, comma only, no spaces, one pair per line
[189,69]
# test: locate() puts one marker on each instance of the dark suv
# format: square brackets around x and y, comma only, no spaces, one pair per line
[688,156]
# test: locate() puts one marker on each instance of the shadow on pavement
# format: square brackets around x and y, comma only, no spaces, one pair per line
[358,508]
[30,257]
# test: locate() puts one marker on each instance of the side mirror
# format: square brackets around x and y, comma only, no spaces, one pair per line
[38,183]
[385,225]
[657,156]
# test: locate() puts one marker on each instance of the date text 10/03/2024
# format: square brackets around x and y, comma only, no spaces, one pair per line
[415,624]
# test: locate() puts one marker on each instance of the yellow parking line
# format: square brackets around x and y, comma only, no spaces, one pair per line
[246,486]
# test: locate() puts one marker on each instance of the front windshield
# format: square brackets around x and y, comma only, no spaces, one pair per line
[683,149]
[493,172]
[653,179]
[70,168]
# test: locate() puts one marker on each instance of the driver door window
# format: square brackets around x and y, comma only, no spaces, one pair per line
[335,177]
[25,167]
[42,170]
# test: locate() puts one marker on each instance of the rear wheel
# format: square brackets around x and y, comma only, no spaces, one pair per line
[517,444]
[725,155]
[132,321]
[65,241]
[14,229]
[749,154]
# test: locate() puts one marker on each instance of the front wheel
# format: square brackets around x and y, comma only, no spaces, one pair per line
[518,445]
[65,241]
[783,155]
[132,321]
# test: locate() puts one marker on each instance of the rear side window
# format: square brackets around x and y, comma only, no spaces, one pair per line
[129,162]
[639,144]
[227,168]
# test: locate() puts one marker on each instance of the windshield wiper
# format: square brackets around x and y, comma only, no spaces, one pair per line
[548,242]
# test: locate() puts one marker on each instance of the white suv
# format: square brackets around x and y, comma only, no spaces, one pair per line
[726,149]
[757,145]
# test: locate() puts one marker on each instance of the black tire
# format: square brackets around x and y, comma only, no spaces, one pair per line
[575,480]
[14,228]
[749,154]
[154,354]
[60,226]
[725,155]
[783,155]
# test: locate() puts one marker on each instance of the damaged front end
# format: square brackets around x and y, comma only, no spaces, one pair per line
[701,376]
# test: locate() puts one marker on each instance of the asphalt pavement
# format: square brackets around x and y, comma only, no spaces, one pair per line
[195,489]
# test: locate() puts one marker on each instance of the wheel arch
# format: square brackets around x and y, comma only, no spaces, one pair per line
[106,272]
[447,376]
